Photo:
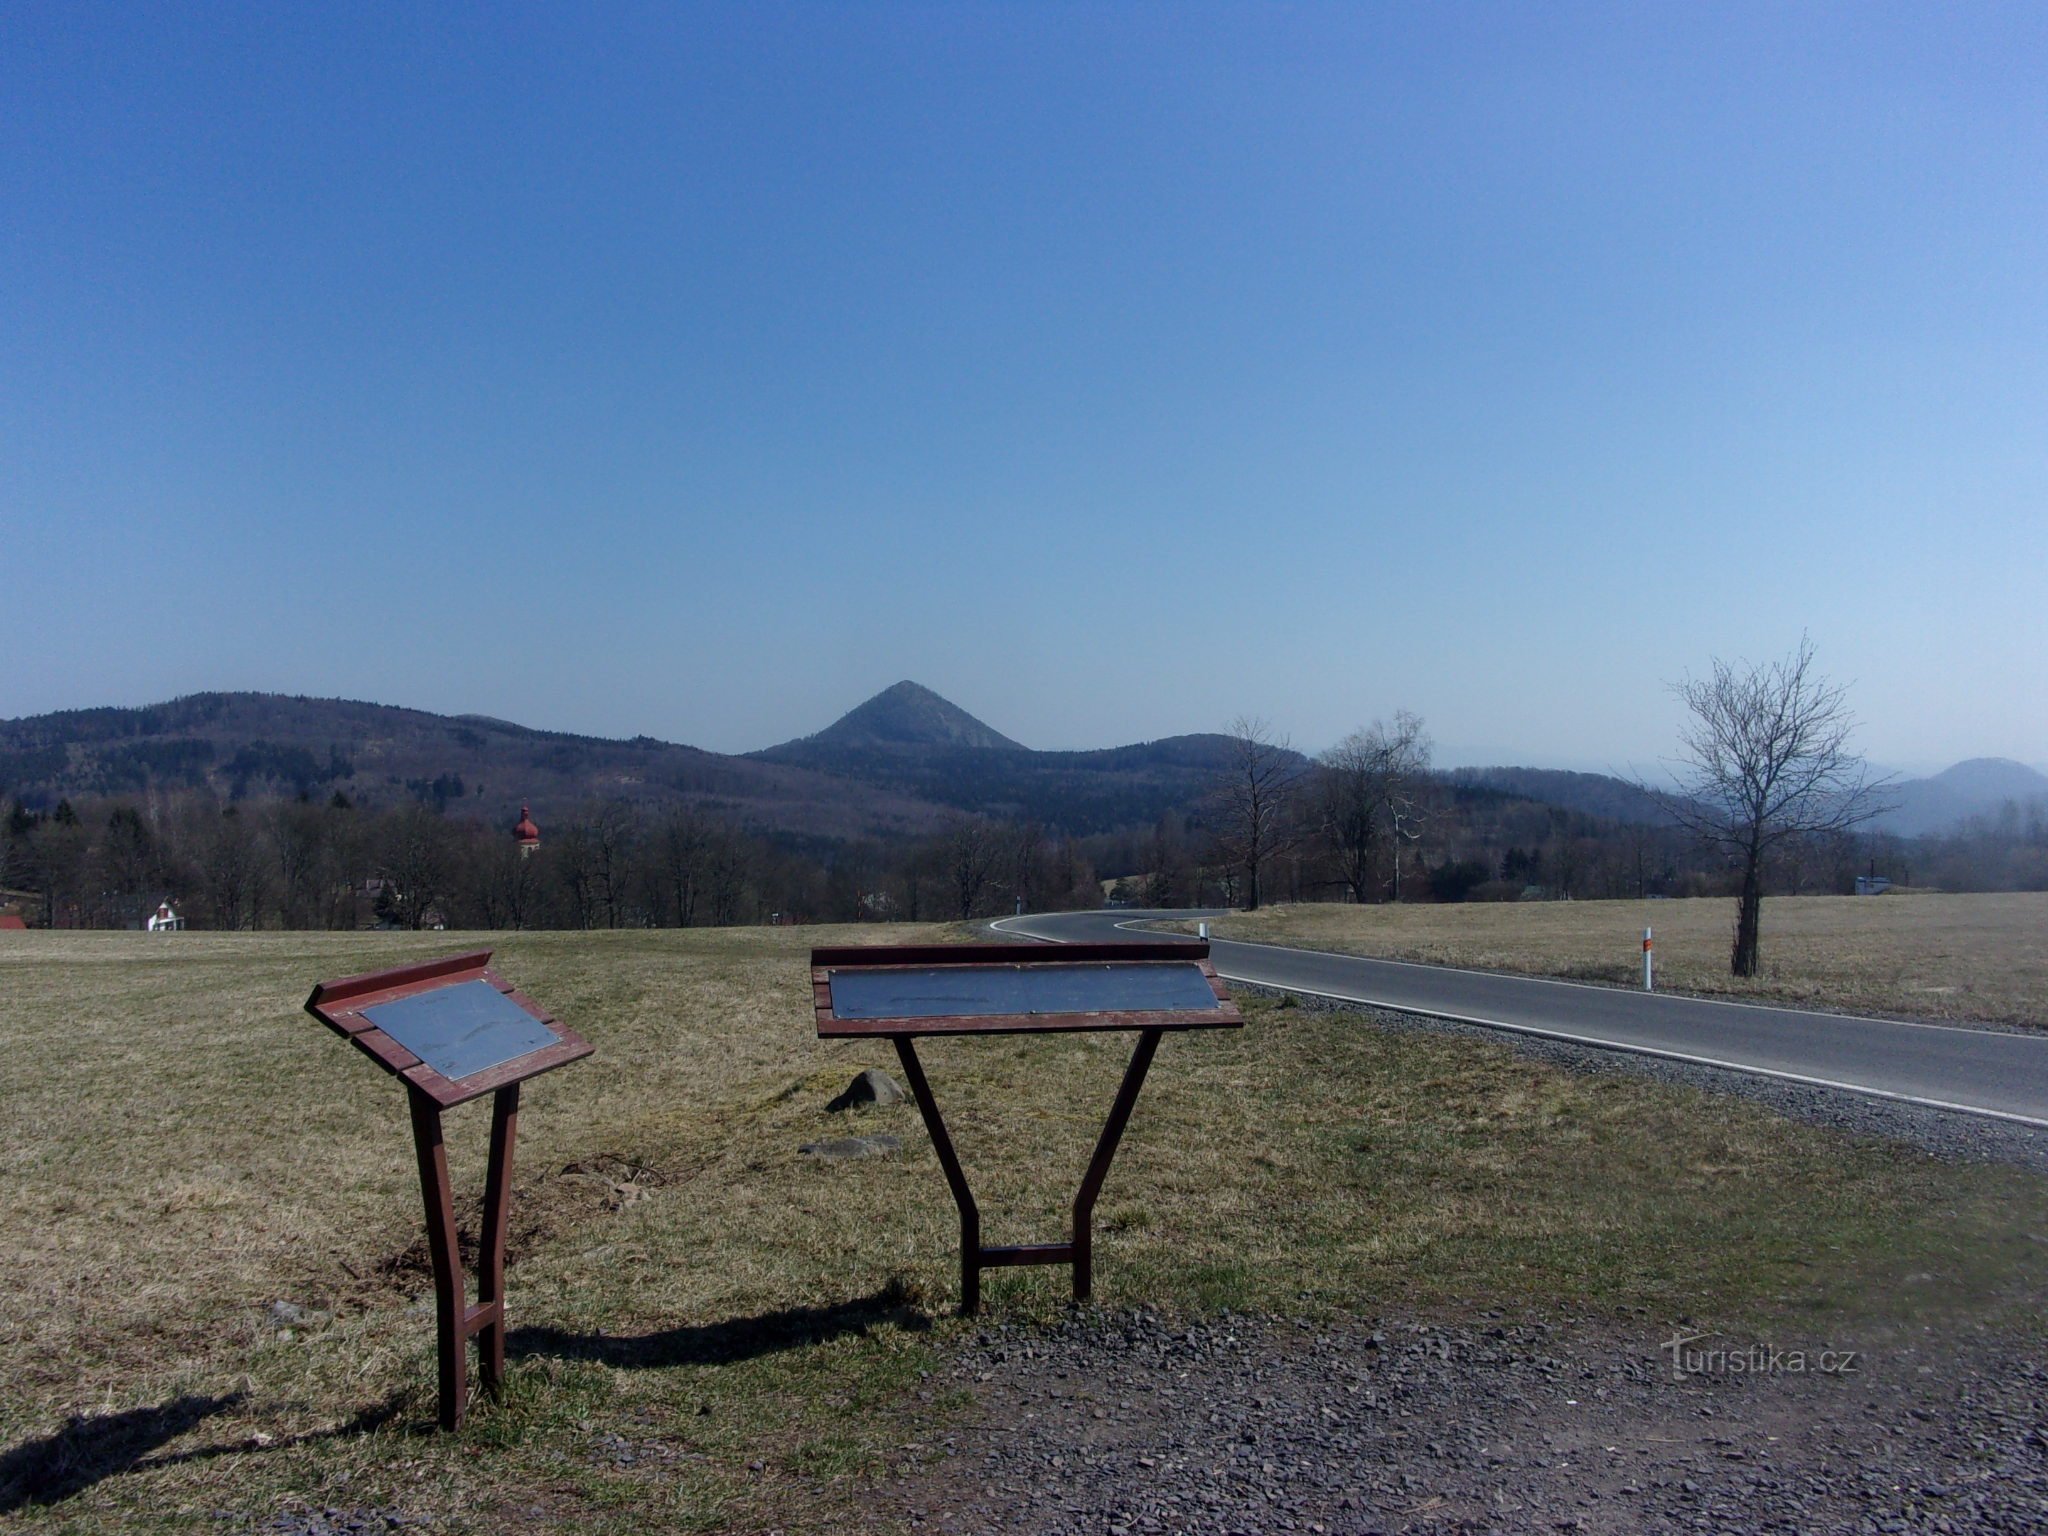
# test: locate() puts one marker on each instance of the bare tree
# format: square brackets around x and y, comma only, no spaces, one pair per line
[1252,797]
[1367,785]
[973,850]
[417,862]
[347,859]
[614,833]
[231,871]
[1171,879]
[1765,763]
[128,864]
[297,837]
[506,881]
[732,866]
[682,853]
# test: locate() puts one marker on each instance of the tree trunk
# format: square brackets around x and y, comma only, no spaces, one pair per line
[1748,918]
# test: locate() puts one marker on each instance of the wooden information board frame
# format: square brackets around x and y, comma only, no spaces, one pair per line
[1079,1250]
[345,1006]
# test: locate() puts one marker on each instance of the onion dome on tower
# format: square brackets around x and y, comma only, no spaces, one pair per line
[526,834]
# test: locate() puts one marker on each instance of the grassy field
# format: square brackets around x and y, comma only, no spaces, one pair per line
[712,1331]
[1913,956]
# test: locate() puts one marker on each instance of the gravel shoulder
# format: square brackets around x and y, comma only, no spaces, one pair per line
[1131,1422]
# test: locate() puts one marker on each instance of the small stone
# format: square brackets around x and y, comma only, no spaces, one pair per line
[871,1087]
[846,1148]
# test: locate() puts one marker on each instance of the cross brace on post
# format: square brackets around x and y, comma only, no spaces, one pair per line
[1079,1250]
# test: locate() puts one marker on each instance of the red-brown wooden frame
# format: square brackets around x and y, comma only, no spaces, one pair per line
[1079,1250]
[341,1005]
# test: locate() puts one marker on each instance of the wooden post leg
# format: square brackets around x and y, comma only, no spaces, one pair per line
[1098,1165]
[449,1313]
[963,1197]
[490,1278]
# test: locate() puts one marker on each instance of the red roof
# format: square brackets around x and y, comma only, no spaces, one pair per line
[10,921]
[526,831]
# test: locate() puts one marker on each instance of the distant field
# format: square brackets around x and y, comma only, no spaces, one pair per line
[1912,956]
[711,1331]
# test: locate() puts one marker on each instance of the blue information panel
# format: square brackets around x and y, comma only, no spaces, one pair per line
[462,1030]
[959,991]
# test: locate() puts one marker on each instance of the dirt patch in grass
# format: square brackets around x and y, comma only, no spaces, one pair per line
[1917,956]
[711,1330]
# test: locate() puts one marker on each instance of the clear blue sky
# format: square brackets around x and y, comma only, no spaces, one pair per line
[1112,370]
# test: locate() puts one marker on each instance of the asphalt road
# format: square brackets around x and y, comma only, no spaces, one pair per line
[1977,1071]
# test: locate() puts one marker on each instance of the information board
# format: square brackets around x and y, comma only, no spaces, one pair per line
[956,991]
[903,992]
[453,1030]
[461,1030]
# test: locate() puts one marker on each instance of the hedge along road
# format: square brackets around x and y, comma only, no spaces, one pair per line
[1977,1071]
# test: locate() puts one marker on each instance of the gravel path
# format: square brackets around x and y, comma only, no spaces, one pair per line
[1948,1134]
[1126,1423]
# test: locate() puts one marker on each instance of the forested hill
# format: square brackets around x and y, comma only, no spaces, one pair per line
[906,762]
[261,745]
[908,739]
[1590,794]
[1982,786]
[1076,792]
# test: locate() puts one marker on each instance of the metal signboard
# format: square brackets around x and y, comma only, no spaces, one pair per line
[901,993]
[454,1030]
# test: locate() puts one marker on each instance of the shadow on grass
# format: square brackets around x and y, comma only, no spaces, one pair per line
[738,1338]
[93,1447]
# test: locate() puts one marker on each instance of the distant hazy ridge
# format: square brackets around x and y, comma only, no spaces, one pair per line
[905,761]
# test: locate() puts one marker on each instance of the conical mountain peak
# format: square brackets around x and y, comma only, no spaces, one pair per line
[908,714]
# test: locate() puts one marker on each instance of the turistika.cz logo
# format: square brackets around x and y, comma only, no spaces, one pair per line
[1755,1360]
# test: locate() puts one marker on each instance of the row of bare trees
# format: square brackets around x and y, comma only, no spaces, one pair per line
[1765,778]
[1362,802]
[614,864]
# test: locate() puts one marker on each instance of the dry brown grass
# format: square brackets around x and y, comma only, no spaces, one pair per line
[180,1147]
[1917,956]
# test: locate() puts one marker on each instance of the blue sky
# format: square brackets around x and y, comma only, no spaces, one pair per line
[1112,370]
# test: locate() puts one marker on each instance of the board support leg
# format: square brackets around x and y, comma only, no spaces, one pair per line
[445,1256]
[490,1277]
[454,1322]
[1080,1251]
[1098,1165]
[956,1178]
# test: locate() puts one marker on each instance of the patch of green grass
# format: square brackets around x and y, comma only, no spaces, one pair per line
[711,1330]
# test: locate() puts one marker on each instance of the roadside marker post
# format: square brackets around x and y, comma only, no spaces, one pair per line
[1649,963]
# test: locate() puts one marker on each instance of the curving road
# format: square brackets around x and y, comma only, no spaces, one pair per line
[1976,1071]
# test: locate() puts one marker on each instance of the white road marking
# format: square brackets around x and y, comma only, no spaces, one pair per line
[1590,1040]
